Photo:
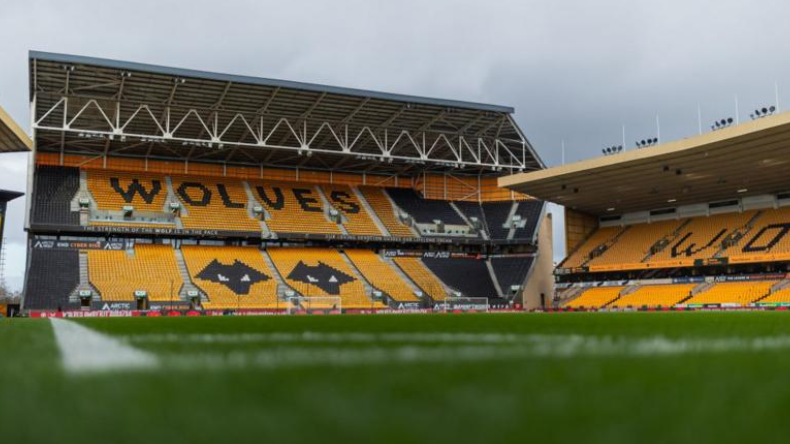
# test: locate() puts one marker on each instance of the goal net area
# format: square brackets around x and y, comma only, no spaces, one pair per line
[317,304]
[464,304]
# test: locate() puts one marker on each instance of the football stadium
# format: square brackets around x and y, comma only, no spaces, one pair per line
[221,258]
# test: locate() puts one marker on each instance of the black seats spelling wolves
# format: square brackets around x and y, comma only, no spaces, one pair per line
[343,202]
[688,251]
[135,187]
[304,197]
[781,232]
[199,195]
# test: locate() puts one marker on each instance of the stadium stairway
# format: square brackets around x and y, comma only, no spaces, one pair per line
[282,286]
[251,205]
[362,278]
[404,277]
[84,282]
[665,241]
[494,280]
[188,286]
[328,207]
[735,237]
[431,286]
[373,215]
[509,221]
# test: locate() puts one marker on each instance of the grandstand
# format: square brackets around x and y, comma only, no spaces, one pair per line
[700,222]
[219,192]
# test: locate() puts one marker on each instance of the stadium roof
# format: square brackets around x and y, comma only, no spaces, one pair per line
[7,196]
[104,107]
[12,137]
[749,159]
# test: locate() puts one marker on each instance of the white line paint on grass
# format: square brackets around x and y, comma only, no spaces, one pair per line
[83,350]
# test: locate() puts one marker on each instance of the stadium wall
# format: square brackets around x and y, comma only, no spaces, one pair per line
[540,281]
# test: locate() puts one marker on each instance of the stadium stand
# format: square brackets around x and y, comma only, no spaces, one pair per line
[112,190]
[496,215]
[416,270]
[733,293]
[381,275]
[767,236]
[474,210]
[655,296]
[589,247]
[231,277]
[321,272]
[293,208]
[357,220]
[596,297]
[511,271]
[633,244]
[455,273]
[214,204]
[702,237]
[424,211]
[55,187]
[51,278]
[150,268]
[385,211]
[529,211]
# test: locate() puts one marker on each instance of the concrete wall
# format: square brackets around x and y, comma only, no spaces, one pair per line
[542,278]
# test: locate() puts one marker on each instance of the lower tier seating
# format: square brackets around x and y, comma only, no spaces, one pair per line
[655,296]
[595,297]
[733,293]
[381,275]
[456,274]
[51,277]
[318,272]
[422,277]
[152,268]
[511,271]
[231,277]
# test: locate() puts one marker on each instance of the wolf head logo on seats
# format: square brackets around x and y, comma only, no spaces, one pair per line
[238,277]
[322,276]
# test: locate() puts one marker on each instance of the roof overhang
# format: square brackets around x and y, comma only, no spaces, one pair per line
[12,137]
[7,196]
[749,159]
[92,106]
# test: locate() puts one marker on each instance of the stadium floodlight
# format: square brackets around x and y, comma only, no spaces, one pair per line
[721,124]
[763,112]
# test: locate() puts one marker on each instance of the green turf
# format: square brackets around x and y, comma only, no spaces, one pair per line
[708,397]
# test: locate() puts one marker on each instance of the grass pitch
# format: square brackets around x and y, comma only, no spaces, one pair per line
[600,378]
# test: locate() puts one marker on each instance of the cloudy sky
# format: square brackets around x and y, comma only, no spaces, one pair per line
[574,70]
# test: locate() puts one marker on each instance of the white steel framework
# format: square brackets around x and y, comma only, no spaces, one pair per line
[105,108]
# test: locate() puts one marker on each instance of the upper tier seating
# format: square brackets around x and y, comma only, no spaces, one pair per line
[55,187]
[768,236]
[382,205]
[634,244]
[496,214]
[655,296]
[424,211]
[358,221]
[214,204]
[473,209]
[293,208]
[595,297]
[511,271]
[231,277]
[422,277]
[733,293]
[469,276]
[702,236]
[582,253]
[381,275]
[51,277]
[529,210]
[112,190]
[323,273]
[152,268]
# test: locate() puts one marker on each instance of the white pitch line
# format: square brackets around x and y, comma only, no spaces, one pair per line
[83,350]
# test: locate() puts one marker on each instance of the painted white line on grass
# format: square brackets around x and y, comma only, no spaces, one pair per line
[83,350]
[317,337]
